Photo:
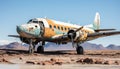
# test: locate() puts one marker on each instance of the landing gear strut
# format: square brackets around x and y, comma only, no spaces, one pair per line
[79,49]
[31,47]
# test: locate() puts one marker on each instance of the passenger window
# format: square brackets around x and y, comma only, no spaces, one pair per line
[61,28]
[54,26]
[58,27]
[68,28]
[65,28]
[50,26]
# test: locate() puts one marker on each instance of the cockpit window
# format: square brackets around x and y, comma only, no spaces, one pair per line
[35,21]
[30,21]
[40,21]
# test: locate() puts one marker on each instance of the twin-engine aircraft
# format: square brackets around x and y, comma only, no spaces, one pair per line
[41,30]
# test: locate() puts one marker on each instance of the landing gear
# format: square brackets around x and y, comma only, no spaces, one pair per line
[79,50]
[40,49]
[31,47]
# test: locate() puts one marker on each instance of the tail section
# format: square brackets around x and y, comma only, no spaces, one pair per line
[96,24]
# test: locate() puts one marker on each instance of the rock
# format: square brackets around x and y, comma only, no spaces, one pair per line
[20,58]
[80,61]
[109,62]
[59,63]
[72,59]
[117,63]
[39,63]
[47,63]
[31,62]
[53,59]
[4,60]
[98,61]
[88,60]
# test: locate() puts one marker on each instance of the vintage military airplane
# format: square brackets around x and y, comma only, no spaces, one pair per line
[41,30]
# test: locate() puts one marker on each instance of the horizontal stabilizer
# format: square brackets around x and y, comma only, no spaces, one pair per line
[98,30]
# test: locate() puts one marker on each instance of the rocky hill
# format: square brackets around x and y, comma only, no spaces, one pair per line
[14,45]
[53,46]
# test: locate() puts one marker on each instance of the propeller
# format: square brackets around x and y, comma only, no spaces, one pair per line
[72,34]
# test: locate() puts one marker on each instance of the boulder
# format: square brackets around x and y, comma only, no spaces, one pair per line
[109,62]
[31,62]
[88,60]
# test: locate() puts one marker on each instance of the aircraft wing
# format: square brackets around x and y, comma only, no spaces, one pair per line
[103,34]
[17,36]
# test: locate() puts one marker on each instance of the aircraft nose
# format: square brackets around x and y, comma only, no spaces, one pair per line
[18,28]
[28,30]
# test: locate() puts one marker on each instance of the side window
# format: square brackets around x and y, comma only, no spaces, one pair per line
[58,27]
[54,26]
[68,28]
[65,29]
[61,28]
[50,26]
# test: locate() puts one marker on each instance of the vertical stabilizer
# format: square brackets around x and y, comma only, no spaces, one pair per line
[96,24]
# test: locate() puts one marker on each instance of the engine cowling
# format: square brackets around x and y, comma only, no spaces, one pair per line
[77,36]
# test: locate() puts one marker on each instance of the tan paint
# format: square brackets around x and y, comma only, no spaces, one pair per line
[49,32]
[50,22]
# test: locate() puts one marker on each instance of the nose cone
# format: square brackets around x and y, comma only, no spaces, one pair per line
[19,29]
[28,30]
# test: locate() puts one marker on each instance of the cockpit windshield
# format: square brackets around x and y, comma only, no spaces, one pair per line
[29,21]
[34,21]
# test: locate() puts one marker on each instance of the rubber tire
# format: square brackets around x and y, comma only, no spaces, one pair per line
[40,49]
[80,50]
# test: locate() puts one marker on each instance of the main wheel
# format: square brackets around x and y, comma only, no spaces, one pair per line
[80,50]
[40,49]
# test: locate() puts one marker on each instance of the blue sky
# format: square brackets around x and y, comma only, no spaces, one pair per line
[82,12]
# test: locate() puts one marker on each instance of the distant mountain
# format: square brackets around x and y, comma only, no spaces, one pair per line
[14,45]
[86,46]
[53,46]
[113,47]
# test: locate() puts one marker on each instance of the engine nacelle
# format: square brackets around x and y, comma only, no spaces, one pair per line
[77,36]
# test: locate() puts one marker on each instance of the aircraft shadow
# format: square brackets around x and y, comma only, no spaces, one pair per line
[13,51]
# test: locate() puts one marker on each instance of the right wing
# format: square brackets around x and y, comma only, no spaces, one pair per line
[103,34]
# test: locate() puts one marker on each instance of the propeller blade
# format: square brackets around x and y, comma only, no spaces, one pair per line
[79,29]
[72,41]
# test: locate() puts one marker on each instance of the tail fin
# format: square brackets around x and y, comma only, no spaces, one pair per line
[96,24]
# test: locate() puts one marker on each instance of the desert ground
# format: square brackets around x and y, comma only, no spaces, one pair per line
[94,59]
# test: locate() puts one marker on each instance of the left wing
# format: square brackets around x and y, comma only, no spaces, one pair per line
[17,36]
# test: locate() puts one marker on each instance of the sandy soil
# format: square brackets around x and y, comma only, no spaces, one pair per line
[100,57]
